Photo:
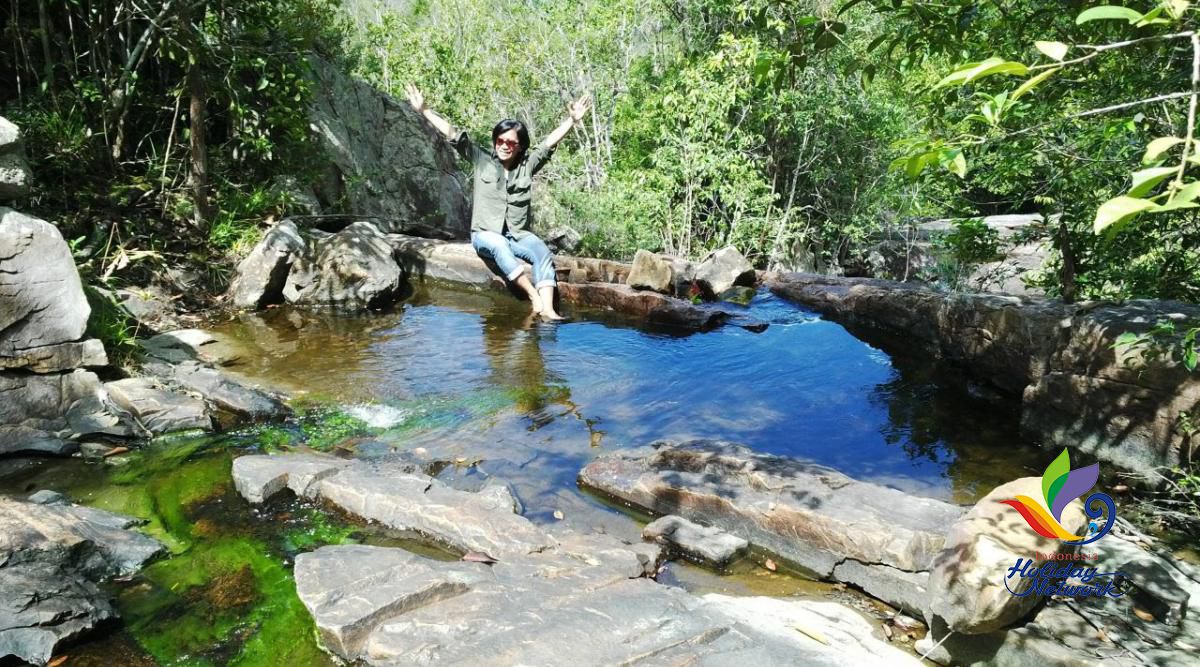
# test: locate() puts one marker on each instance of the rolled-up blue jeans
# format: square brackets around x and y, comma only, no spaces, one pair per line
[505,250]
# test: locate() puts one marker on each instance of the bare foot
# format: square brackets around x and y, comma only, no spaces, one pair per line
[551,316]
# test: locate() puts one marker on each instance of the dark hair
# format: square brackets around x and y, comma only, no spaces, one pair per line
[511,124]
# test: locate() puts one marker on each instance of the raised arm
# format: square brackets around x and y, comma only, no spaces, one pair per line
[575,113]
[417,100]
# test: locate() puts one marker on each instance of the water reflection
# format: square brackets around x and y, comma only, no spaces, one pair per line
[537,401]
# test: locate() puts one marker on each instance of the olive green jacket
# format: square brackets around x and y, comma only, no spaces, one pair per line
[501,203]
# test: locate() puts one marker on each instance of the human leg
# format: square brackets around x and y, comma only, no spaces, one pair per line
[499,249]
[532,249]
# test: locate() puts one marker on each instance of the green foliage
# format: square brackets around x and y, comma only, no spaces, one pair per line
[110,323]
[1166,341]
[102,91]
[1066,139]
[324,427]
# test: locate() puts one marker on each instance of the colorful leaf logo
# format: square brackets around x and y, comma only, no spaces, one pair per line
[1060,485]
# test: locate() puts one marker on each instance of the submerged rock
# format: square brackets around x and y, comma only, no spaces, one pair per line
[811,515]
[52,556]
[701,543]
[652,307]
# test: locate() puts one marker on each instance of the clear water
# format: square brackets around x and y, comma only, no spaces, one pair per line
[465,377]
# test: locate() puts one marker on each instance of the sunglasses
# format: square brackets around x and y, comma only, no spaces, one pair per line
[508,143]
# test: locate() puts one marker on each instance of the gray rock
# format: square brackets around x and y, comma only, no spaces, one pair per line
[722,269]
[158,409]
[51,557]
[390,607]
[258,478]
[10,135]
[62,356]
[40,412]
[43,302]
[301,200]
[16,438]
[362,132]
[47,497]
[428,259]
[260,277]
[152,307]
[44,606]
[221,389]
[354,269]
[562,239]
[703,543]
[651,272]
[808,514]
[15,177]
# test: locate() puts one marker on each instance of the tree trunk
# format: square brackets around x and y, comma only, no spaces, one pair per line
[1066,275]
[198,154]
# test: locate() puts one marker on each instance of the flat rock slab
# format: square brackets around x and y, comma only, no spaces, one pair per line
[706,544]
[52,555]
[390,607]
[220,388]
[811,515]
[400,497]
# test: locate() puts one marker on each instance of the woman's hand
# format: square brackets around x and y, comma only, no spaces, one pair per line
[415,98]
[579,107]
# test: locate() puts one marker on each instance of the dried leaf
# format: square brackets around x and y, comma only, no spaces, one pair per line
[116,450]
[479,557]
[57,661]
[815,635]
[887,631]
[1143,614]
[769,564]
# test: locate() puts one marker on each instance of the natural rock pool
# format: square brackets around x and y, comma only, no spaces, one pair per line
[465,378]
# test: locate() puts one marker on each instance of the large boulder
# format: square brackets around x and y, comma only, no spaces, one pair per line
[260,277]
[15,177]
[52,556]
[43,310]
[363,132]
[651,272]
[722,269]
[970,584]
[353,268]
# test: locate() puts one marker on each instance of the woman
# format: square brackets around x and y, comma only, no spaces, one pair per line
[501,217]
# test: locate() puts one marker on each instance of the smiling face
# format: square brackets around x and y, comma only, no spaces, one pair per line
[508,146]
